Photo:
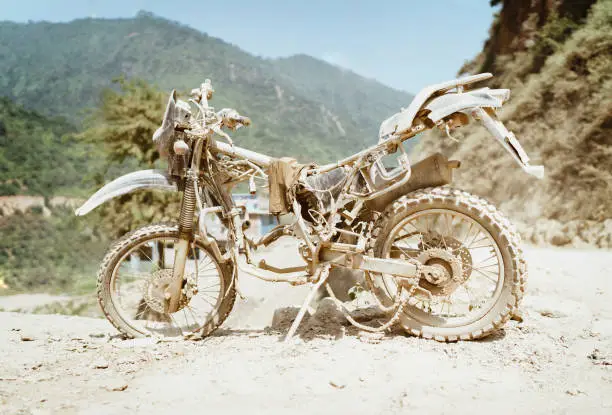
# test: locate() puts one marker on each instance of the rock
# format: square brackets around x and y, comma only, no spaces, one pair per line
[574,392]
[517,315]
[100,364]
[283,317]
[588,230]
[328,312]
[571,229]
[97,335]
[599,358]
[550,313]
[369,314]
[560,239]
[337,385]
[577,242]
[126,361]
[371,338]
[27,337]
[547,229]
[604,239]
[116,385]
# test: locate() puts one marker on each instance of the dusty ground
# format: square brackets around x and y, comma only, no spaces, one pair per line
[559,360]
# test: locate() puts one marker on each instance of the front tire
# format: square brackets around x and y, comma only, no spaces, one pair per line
[132,276]
[422,207]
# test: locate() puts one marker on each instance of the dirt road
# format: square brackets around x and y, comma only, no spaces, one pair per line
[559,360]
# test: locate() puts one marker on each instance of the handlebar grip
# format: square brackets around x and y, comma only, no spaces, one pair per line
[207,89]
[196,93]
[246,121]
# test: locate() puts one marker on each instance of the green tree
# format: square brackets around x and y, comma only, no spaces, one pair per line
[126,120]
[123,127]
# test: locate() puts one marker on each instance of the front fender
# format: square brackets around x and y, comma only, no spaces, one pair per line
[142,179]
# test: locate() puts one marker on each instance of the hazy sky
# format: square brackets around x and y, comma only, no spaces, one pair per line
[406,44]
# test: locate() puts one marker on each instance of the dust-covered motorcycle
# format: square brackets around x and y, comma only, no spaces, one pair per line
[439,262]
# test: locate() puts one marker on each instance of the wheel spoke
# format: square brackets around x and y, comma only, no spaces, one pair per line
[486,276]
[462,237]
[138,288]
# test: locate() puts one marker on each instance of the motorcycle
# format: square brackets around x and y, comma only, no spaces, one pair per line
[439,262]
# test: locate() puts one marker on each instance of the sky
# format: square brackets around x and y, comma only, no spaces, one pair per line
[406,44]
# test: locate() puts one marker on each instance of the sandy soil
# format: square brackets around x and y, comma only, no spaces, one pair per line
[558,360]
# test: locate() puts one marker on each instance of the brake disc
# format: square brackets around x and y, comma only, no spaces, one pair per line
[155,291]
[451,257]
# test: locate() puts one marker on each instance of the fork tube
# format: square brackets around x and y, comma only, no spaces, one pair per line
[173,293]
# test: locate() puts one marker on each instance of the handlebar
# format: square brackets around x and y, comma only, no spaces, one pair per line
[232,119]
[246,121]
[205,90]
[228,117]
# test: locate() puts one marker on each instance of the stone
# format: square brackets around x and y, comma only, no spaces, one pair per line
[116,385]
[100,364]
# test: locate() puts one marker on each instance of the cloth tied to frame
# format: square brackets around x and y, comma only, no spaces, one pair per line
[283,176]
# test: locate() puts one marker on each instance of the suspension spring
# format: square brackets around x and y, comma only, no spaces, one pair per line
[187,211]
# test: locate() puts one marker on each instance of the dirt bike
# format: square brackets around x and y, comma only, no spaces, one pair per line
[439,262]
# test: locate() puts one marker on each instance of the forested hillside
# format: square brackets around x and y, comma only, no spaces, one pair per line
[556,57]
[299,105]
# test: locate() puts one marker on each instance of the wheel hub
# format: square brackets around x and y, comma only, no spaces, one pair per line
[451,273]
[156,287]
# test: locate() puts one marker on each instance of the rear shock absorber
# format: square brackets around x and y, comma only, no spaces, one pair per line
[181,250]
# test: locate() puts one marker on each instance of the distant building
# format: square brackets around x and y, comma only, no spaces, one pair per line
[259,216]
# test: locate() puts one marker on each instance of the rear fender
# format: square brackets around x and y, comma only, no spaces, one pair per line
[481,104]
[142,179]
[447,104]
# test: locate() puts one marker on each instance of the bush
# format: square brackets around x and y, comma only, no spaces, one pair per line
[48,254]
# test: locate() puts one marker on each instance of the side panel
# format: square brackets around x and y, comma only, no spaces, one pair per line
[435,170]
[142,179]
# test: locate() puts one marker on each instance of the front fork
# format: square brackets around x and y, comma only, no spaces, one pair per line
[181,249]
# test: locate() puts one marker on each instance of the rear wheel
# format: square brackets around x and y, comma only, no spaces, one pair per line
[475,247]
[136,271]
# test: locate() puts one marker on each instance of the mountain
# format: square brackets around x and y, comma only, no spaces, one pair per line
[556,57]
[300,106]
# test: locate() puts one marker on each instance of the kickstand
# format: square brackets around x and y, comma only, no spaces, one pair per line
[324,273]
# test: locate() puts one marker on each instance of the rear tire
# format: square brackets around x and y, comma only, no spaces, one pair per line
[421,323]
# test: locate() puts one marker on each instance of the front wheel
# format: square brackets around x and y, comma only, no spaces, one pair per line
[136,271]
[471,242]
